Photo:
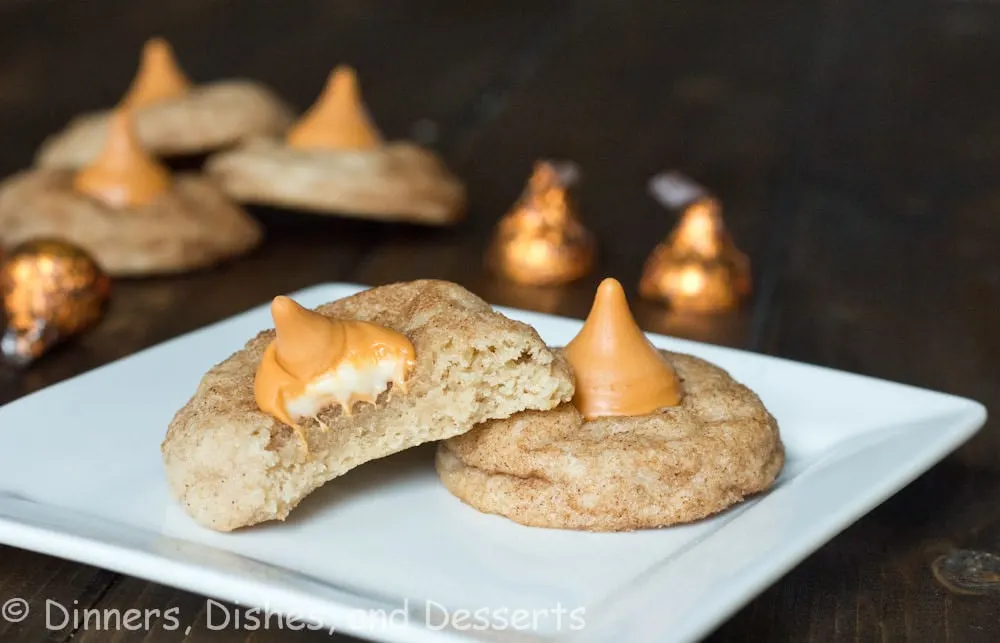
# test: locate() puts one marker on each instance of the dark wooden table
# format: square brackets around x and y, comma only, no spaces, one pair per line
[855,145]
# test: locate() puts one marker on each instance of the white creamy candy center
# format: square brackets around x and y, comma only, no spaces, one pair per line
[345,385]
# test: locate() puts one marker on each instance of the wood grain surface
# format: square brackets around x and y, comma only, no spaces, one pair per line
[855,147]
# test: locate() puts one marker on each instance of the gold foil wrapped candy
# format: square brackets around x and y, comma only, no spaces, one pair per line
[52,290]
[698,267]
[541,241]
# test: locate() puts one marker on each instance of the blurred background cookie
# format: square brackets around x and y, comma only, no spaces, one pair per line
[127,210]
[334,160]
[173,115]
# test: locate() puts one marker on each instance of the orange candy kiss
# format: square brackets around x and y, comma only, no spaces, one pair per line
[159,77]
[309,346]
[698,268]
[618,371]
[338,120]
[541,241]
[123,175]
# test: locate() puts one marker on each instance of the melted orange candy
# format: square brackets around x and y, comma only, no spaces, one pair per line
[618,371]
[338,119]
[122,175]
[309,346]
[159,77]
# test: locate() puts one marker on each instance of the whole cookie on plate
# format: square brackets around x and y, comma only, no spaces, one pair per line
[651,438]
[335,161]
[128,211]
[174,116]
[355,380]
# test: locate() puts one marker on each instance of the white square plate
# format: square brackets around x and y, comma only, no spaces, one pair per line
[386,553]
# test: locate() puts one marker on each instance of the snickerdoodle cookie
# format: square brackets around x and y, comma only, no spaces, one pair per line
[128,211]
[335,161]
[651,438]
[231,464]
[173,116]
[675,465]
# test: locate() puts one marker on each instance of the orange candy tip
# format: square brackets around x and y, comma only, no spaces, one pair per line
[343,76]
[338,120]
[610,288]
[159,76]
[282,307]
[123,175]
[618,371]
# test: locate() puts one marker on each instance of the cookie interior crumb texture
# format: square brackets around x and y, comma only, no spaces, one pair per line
[230,465]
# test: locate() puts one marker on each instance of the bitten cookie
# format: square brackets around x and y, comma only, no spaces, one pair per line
[231,464]
[173,117]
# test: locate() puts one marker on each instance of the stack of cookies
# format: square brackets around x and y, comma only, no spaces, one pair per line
[605,434]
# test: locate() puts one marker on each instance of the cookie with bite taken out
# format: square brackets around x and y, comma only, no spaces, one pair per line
[354,380]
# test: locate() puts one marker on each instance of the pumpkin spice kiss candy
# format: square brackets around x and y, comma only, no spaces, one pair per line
[698,268]
[651,438]
[618,372]
[127,211]
[355,380]
[51,292]
[315,362]
[335,161]
[173,115]
[541,241]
